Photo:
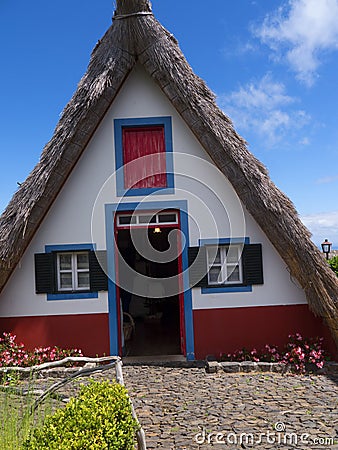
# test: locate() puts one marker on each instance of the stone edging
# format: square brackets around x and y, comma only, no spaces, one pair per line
[330,368]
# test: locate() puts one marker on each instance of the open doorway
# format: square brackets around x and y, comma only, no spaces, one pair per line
[151,315]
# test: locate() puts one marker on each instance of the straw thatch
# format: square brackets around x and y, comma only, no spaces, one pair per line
[137,37]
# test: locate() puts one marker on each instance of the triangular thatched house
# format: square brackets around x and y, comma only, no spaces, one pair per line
[146,206]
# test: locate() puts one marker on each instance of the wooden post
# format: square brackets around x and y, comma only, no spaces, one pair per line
[140,435]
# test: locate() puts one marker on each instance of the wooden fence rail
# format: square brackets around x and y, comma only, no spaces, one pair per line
[105,363]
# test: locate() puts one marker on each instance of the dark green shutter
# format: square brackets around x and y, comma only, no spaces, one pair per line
[98,271]
[252,264]
[198,276]
[44,273]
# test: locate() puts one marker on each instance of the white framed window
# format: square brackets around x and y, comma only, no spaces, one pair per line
[224,264]
[73,271]
[145,219]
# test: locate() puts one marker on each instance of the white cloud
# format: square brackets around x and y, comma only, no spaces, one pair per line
[265,108]
[301,32]
[323,226]
[305,141]
[265,94]
[327,180]
[237,49]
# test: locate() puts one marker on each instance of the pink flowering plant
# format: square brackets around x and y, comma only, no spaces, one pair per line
[266,354]
[304,353]
[300,354]
[15,354]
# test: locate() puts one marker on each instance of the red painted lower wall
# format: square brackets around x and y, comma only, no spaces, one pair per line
[226,330]
[88,332]
[216,330]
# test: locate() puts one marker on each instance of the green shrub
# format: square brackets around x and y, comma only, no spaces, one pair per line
[99,418]
[334,264]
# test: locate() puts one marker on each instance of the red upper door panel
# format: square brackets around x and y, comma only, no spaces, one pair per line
[147,172]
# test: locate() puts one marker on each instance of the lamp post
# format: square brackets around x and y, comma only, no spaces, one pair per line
[326,247]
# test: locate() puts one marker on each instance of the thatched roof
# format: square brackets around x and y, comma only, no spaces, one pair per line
[137,37]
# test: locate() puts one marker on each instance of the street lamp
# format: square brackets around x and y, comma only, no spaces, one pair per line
[326,246]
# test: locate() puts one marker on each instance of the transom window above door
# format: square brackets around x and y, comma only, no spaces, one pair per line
[146,219]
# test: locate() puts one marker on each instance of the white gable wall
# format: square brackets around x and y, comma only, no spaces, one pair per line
[209,197]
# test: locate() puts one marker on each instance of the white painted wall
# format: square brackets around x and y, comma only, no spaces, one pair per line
[214,210]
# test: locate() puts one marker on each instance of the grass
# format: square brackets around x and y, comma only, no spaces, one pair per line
[16,419]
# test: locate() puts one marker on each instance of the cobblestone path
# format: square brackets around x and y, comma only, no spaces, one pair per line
[184,408]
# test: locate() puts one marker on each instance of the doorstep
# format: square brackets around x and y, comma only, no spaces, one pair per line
[161,360]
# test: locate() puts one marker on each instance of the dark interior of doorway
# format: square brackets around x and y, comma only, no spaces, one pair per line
[157,320]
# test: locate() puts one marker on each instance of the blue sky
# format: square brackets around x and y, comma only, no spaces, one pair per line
[272,64]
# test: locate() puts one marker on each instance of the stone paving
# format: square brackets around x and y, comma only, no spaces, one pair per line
[185,408]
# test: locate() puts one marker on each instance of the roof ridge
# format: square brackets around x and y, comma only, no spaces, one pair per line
[126,16]
[126,7]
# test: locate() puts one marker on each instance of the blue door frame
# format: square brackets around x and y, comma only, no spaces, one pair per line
[110,210]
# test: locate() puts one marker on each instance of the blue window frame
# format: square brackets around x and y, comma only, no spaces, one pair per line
[119,124]
[226,288]
[70,248]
